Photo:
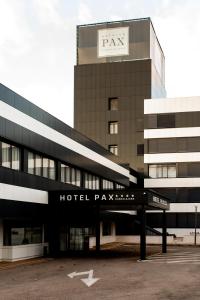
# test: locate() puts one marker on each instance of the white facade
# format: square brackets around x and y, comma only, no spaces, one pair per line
[175,106]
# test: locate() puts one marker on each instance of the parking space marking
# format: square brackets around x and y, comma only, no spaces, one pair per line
[186,257]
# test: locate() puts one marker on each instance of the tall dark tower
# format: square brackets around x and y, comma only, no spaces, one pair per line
[119,64]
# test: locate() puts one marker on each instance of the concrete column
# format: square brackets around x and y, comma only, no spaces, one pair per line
[143,234]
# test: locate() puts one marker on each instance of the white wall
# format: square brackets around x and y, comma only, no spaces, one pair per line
[13,253]
[104,239]
[157,240]
[19,193]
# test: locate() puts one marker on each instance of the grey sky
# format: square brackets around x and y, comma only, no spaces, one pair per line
[38,45]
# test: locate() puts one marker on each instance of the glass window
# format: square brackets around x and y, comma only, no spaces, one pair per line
[41,166]
[152,171]
[73,176]
[15,158]
[113,149]
[171,171]
[107,185]
[113,127]
[91,181]
[113,103]
[70,175]
[10,156]
[119,186]
[140,149]
[107,228]
[30,163]
[45,164]
[166,121]
[25,235]
[62,173]
[162,171]
[78,177]
[52,169]
[6,159]
[38,165]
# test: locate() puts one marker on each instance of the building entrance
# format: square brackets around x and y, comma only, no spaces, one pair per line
[84,209]
[74,238]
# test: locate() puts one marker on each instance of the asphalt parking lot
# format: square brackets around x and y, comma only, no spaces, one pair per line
[175,275]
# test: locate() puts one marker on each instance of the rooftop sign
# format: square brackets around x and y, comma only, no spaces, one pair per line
[113,42]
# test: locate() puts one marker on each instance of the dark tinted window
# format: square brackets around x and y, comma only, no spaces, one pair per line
[113,103]
[166,121]
[140,149]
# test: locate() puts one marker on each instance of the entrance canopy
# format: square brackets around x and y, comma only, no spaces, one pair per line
[132,199]
[68,203]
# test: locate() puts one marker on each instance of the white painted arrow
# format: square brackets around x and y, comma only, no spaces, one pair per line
[89,281]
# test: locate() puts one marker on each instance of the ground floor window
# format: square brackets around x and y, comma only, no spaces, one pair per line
[22,234]
[107,228]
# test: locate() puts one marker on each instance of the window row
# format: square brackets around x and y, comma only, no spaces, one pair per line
[115,149]
[10,157]
[41,166]
[162,171]
[170,145]
[160,121]
[173,120]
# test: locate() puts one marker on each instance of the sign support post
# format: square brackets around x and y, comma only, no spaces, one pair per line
[143,233]
[164,233]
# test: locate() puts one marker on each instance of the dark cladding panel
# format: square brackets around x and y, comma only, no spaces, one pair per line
[174,220]
[29,139]
[130,83]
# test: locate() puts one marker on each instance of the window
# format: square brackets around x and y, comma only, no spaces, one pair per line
[70,175]
[31,163]
[91,182]
[107,184]
[162,171]
[113,103]
[41,166]
[107,228]
[113,149]
[140,149]
[24,235]
[113,127]
[10,156]
[166,121]
[119,186]
[38,165]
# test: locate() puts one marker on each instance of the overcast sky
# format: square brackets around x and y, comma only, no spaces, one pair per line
[38,45]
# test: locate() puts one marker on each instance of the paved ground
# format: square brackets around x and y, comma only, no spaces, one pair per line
[176,256]
[121,277]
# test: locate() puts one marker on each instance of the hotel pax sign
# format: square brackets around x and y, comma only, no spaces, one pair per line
[113,42]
